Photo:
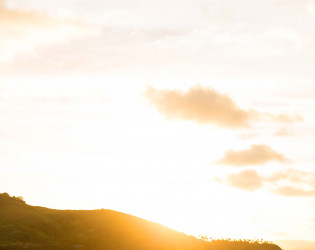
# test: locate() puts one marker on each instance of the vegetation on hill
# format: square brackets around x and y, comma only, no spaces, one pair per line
[28,227]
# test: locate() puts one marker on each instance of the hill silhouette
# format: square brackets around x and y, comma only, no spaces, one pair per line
[29,227]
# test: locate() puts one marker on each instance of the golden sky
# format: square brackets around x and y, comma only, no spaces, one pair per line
[197,114]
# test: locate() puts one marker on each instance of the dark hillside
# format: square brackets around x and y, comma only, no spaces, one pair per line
[23,226]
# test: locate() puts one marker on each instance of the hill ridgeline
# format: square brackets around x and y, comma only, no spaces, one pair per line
[28,227]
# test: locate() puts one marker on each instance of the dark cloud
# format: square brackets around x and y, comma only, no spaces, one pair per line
[207,106]
[255,155]
[247,180]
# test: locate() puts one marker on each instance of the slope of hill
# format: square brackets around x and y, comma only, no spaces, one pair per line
[24,226]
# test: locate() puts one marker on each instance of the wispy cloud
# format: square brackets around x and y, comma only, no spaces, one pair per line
[289,182]
[22,31]
[292,191]
[247,136]
[283,132]
[255,155]
[292,182]
[292,175]
[207,106]
[286,117]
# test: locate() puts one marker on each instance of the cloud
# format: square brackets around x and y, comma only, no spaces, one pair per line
[247,180]
[202,105]
[296,192]
[247,136]
[283,132]
[284,118]
[22,31]
[287,117]
[255,155]
[207,106]
[292,175]
[290,182]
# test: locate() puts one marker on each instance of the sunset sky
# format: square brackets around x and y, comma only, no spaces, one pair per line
[197,114]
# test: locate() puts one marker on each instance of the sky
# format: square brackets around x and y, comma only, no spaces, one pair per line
[197,114]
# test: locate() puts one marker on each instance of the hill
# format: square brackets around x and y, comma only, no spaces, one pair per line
[28,227]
